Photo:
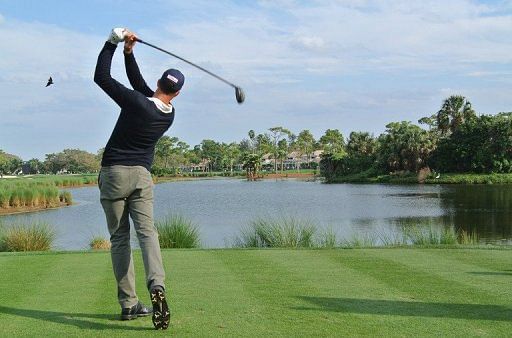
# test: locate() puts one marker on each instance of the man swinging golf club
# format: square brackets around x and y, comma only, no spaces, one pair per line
[126,186]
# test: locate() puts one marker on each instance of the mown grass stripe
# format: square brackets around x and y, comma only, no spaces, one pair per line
[206,298]
[433,296]
[291,282]
[383,308]
[473,276]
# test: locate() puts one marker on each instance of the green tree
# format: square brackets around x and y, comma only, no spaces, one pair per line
[404,147]
[332,142]
[282,151]
[212,152]
[276,135]
[73,161]
[9,164]
[33,166]
[305,145]
[164,149]
[263,144]
[483,144]
[231,155]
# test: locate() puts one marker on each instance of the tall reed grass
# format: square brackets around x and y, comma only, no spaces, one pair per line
[28,195]
[27,237]
[431,236]
[176,231]
[39,192]
[364,240]
[290,232]
[284,232]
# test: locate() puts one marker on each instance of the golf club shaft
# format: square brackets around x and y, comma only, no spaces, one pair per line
[190,63]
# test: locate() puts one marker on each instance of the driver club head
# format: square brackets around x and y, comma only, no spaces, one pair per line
[240,96]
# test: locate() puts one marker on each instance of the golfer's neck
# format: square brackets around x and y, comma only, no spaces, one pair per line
[162,97]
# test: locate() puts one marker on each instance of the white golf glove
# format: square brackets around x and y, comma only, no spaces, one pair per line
[117,35]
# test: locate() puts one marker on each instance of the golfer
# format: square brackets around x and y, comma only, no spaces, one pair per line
[126,186]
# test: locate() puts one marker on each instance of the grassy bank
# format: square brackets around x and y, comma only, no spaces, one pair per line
[39,192]
[278,293]
[413,179]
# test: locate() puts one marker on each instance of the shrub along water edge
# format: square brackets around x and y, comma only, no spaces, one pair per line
[284,232]
[290,232]
[176,231]
[100,243]
[27,237]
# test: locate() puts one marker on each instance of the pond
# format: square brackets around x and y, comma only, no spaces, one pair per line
[222,207]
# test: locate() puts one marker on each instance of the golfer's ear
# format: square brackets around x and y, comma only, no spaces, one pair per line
[177,93]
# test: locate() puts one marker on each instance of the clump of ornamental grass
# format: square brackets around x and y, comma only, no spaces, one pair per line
[328,238]
[66,197]
[432,236]
[176,231]
[360,240]
[28,237]
[100,243]
[468,238]
[393,239]
[284,232]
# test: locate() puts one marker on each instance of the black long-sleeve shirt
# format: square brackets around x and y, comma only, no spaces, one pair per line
[140,123]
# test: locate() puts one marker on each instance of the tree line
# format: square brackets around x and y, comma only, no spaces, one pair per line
[174,156]
[454,139]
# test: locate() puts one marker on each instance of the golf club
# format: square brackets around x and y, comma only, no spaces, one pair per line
[239,93]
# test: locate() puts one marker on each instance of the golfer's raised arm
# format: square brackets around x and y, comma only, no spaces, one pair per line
[132,69]
[119,93]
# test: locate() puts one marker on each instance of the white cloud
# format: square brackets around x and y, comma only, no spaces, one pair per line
[310,42]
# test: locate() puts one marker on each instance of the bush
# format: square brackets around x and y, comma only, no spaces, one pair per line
[176,231]
[33,237]
[100,243]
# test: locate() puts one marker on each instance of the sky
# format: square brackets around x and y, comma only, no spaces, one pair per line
[352,65]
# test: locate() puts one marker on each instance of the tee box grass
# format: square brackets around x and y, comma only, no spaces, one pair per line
[398,292]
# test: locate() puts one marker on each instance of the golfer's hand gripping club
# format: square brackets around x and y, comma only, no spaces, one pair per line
[117,35]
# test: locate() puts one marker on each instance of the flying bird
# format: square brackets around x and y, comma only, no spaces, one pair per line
[50,81]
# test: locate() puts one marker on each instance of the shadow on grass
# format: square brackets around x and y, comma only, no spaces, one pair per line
[403,308]
[75,319]
[484,273]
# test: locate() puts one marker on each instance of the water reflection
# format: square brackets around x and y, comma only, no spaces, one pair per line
[484,209]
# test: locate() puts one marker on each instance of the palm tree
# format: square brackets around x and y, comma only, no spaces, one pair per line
[455,111]
[251,163]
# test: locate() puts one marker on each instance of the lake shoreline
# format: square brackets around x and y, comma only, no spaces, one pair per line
[412,179]
[26,210]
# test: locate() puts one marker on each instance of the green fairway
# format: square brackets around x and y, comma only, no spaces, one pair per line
[361,292]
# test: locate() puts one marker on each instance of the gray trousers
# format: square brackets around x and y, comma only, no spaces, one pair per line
[127,192]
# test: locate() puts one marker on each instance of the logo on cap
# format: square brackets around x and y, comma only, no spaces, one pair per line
[172,78]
